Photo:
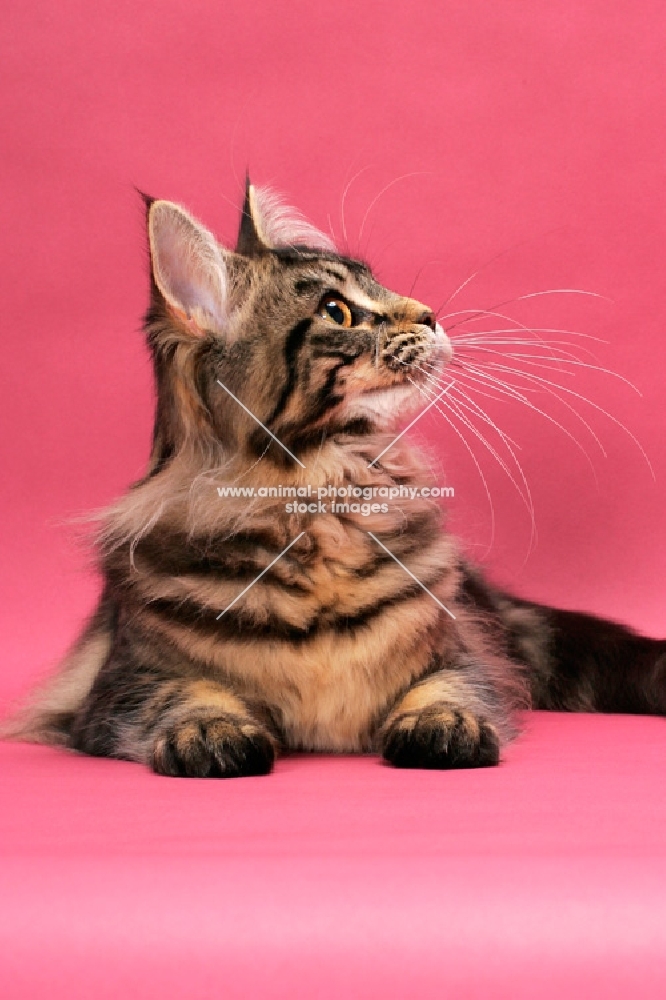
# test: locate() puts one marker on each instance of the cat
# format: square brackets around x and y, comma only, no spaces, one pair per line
[233,628]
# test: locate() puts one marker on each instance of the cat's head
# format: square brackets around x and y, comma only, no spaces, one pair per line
[283,332]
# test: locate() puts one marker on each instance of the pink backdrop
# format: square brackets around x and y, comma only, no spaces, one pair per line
[534,131]
[530,130]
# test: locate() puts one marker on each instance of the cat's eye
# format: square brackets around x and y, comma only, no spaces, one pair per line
[337,311]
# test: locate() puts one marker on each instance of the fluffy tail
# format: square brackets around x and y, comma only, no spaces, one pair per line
[574,662]
[48,715]
[594,665]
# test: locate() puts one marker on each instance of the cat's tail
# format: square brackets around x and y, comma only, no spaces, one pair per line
[574,662]
[48,715]
[595,665]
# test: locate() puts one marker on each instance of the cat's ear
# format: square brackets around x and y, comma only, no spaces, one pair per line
[267,223]
[188,267]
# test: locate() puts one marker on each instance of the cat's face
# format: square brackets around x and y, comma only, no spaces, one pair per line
[305,339]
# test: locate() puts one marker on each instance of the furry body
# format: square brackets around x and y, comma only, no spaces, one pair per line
[335,647]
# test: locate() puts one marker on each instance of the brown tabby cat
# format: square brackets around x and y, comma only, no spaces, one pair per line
[231,629]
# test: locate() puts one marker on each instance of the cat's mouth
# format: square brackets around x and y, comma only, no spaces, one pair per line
[385,385]
[384,390]
[409,376]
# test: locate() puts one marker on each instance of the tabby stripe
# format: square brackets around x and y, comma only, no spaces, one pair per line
[305,285]
[325,399]
[293,344]
[297,257]
[239,625]
[176,555]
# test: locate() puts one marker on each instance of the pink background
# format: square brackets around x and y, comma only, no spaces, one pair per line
[534,130]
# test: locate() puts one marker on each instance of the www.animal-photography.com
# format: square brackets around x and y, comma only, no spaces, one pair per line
[334,645]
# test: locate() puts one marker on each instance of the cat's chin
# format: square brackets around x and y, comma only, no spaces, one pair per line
[384,407]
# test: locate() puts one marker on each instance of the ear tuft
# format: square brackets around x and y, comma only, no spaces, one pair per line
[267,223]
[147,199]
[251,240]
[188,266]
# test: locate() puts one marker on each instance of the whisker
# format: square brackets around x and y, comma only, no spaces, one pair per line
[497,256]
[484,415]
[455,407]
[483,479]
[330,227]
[540,379]
[478,313]
[436,382]
[474,407]
[493,451]
[496,399]
[527,329]
[508,443]
[534,295]
[479,373]
[506,387]
[344,199]
[435,260]
[439,378]
[396,180]
[558,291]
[483,346]
[534,359]
[533,329]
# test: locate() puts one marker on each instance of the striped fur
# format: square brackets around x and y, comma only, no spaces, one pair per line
[335,647]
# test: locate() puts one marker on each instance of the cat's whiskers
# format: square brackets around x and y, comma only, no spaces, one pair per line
[541,380]
[537,360]
[509,443]
[478,314]
[387,187]
[455,406]
[434,260]
[497,256]
[501,338]
[343,200]
[541,343]
[457,388]
[330,227]
[513,392]
[475,460]
[435,385]
[476,373]
[533,329]
[521,298]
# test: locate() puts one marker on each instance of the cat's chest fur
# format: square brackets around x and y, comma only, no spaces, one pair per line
[334,639]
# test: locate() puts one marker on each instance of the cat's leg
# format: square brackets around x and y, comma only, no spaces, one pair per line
[209,733]
[450,719]
[178,726]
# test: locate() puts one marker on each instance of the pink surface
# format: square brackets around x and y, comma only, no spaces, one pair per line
[535,131]
[342,877]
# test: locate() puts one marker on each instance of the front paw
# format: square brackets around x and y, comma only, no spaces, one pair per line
[440,736]
[221,747]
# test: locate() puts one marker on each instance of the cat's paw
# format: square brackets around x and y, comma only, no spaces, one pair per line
[222,747]
[440,736]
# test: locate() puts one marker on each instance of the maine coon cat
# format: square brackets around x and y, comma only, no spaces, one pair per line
[233,628]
